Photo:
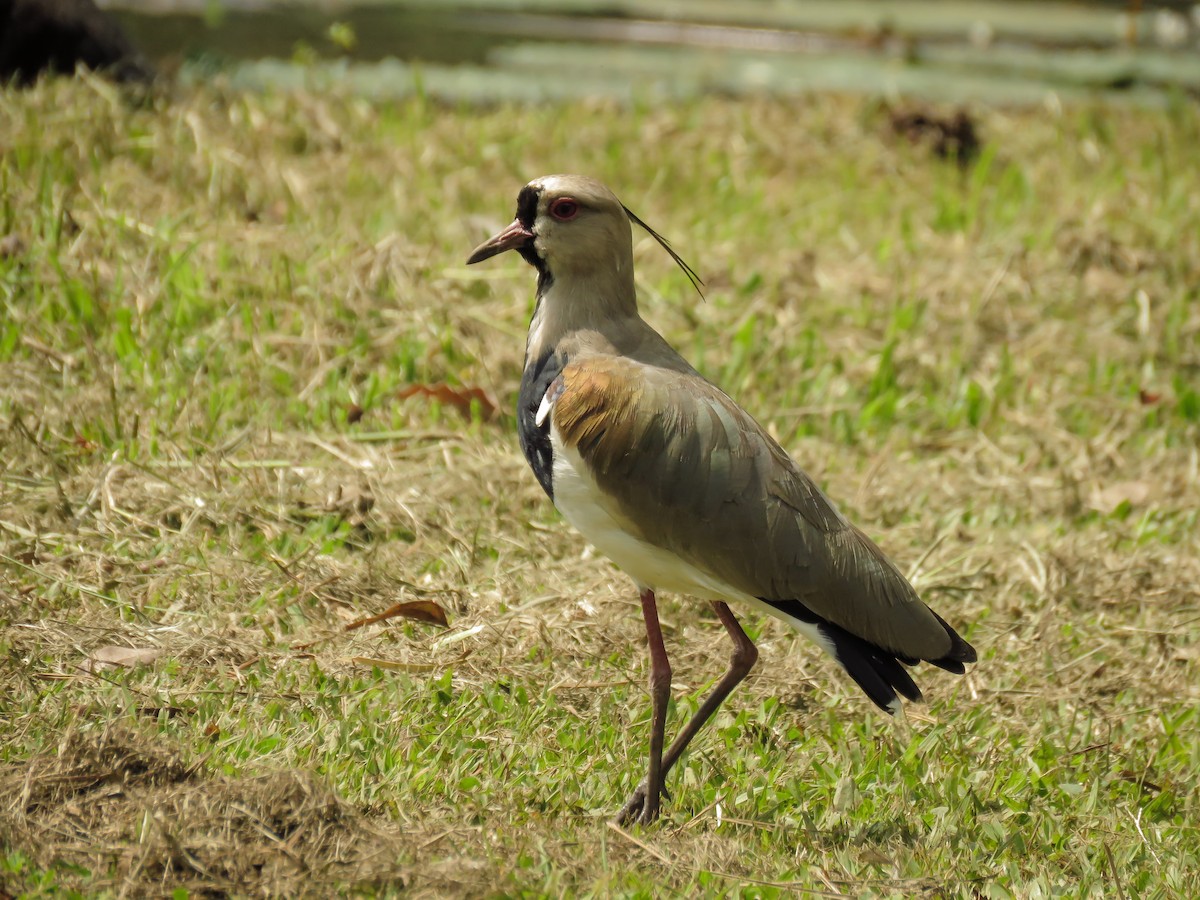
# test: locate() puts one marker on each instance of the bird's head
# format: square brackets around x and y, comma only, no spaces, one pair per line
[566,225]
[571,226]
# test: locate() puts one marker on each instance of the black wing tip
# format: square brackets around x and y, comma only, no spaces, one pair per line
[960,651]
[953,666]
[880,673]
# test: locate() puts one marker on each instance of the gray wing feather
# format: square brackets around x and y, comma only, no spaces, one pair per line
[696,475]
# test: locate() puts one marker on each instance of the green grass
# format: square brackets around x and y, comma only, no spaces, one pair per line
[995,370]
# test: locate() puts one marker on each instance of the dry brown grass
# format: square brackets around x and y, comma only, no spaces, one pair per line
[120,803]
[994,371]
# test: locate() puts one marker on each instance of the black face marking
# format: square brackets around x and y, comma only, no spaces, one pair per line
[666,245]
[527,209]
[530,255]
[535,440]
[527,205]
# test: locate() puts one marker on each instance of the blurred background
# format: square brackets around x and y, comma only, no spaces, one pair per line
[481,50]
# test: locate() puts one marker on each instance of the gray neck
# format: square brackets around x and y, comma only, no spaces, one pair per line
[604,302]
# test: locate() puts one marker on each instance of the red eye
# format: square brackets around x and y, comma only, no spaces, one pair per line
[564,209]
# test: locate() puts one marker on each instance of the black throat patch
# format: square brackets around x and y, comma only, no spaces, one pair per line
[535,440]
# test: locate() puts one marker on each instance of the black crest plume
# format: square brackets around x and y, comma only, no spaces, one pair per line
[666,245]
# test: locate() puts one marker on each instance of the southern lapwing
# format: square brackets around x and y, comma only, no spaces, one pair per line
[679,486]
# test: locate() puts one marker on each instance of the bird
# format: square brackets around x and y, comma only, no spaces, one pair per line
[666,475]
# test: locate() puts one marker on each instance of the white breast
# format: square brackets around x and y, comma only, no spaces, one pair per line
[579,499]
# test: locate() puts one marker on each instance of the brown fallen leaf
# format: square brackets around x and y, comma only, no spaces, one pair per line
[351,503]
[460,398]
[950,137]
[418,610]
[1107,498]
[120,657]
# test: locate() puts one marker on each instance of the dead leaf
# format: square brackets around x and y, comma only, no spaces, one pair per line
[951,137]
[120,657]
[392,665]
[460,398]
[418,610]
[1107,498]
[352,504]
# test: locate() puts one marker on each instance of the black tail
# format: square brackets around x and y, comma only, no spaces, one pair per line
[879,672]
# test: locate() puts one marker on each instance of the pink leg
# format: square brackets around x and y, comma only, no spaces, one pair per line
[745,655]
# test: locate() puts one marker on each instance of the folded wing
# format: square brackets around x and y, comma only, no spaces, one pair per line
[694,474]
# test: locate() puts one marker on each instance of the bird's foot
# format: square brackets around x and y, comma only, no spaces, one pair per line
[642,807]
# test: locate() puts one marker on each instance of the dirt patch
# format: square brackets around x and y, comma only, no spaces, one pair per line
[143,821]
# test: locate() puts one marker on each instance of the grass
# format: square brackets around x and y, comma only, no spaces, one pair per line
[210,303]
